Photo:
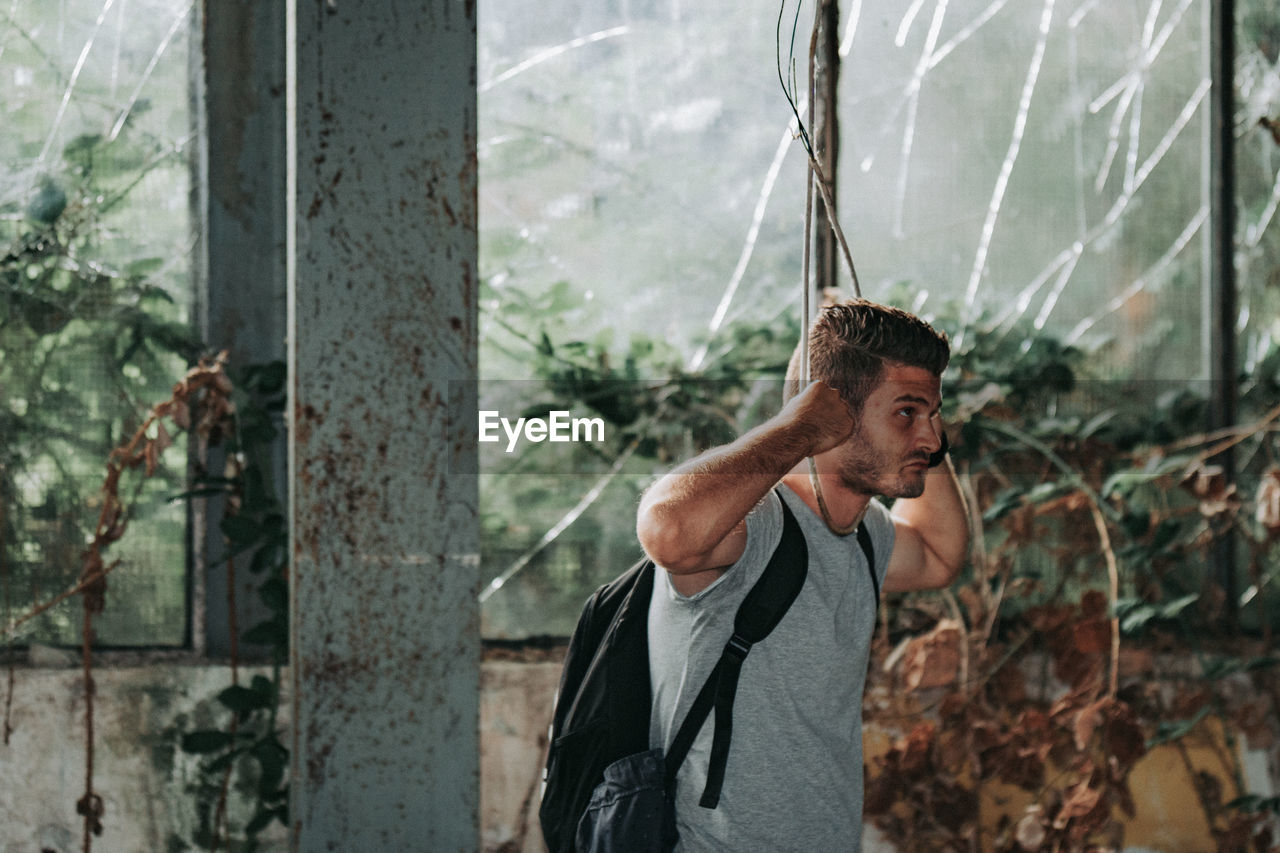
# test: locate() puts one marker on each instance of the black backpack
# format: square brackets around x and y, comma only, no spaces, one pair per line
[603,703]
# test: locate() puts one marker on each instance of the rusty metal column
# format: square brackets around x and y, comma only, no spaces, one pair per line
[385,641]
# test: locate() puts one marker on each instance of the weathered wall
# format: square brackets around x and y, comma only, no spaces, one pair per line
[140,772]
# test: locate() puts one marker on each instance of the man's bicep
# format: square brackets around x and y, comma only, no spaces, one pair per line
[690,582]
[725,553]
[722,555]
[913,565]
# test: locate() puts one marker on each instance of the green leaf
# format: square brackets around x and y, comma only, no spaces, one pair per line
[1255,803]
[1134,613]
[1156,468]
[255,498]
[271,377]
[1171,609]
[1003,503]
[1096,423]
[240,530]
[79,148]
[1125,482]
[274,593]
[205,741]
[1226,667]
[1136,524]
[1044,491]
[203,492]
[143,267]
[48,203]
[273,759]
[272,632]
[260,821]
[222,762]
[267,557]
[243,699]
[561,298]
[44,317]
[157,293]
[545,347]
[1136,618]
[1168,732]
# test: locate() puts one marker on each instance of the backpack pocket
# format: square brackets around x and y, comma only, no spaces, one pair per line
[630,811]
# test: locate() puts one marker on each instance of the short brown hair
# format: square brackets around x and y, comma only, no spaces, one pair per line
[851,341]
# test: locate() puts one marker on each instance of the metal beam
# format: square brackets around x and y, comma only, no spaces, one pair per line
[826,141]
[1221,311]
[382,304]
[242,304]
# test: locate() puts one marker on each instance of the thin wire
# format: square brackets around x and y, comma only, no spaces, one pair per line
[807,317]
[788,90]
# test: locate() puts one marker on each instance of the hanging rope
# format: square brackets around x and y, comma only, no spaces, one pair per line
[816,173]
[813,175]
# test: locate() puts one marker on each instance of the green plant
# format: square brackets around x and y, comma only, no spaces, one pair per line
[87,343]
[1095,505]
[250,747]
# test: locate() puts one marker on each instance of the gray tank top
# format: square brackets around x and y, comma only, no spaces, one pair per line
[794,775]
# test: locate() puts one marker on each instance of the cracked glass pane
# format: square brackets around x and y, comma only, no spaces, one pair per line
[96,235]
[1043,162]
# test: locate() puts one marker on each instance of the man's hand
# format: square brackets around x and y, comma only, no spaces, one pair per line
[821,416]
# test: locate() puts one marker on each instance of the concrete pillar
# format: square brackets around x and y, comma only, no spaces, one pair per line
[382,305]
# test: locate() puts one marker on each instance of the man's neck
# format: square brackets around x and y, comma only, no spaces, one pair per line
[844,505]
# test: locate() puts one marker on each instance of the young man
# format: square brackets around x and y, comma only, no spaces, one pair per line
[870,422]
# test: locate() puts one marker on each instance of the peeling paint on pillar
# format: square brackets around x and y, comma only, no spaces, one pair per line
[383,308]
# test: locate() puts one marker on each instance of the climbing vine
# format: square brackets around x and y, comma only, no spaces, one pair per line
[204,405]
[250,746]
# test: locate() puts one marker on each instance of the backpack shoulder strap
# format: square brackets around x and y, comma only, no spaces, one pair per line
[864,540]
[759,613]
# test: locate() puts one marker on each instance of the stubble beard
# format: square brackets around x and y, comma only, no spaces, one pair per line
[863,470]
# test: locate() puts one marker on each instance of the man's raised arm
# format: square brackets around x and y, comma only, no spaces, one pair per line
[932,535]
[691,520]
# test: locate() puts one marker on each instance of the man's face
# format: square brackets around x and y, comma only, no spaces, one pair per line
[889,451]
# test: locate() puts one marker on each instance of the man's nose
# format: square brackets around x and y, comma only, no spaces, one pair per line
[931,434]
